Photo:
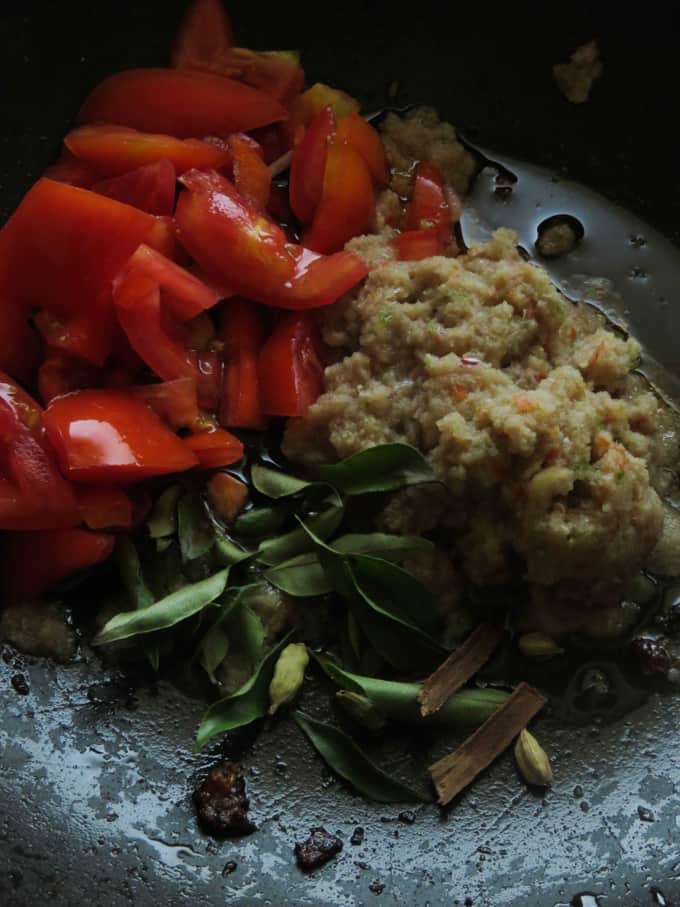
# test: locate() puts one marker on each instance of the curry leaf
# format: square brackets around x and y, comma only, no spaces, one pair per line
[385,467]
[297,541]
[167,612]
[246,705]
[349,761]
[276,484]
[381,544]
[399,701]
[229,553]
[130,570]
[163,519]
[301,576]
[399,592]
[196,532]
[260,521]
[213,650]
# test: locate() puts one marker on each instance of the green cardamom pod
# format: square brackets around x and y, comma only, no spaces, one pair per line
[537,645]
[532,760]
[288,675]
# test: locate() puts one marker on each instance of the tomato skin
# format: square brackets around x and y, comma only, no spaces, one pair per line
[321,279]
[290,368]
[104,508]
[414,245]
[428,208]
[179,102]
[347,202]
[60,374]
[274,73]
[60,251]
[114,150]
[242,334]
[215,447]
[138,307]
[187,295]
[106,437]
[309,165]
[61,553]
[150,188]
[33,493]
[252,177]
[68,169]
[174,401]
[353,130]
[205,33]
[231,241]
[209,381]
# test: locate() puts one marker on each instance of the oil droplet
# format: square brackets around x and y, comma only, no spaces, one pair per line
[578,791]
[658,897]
[645,814]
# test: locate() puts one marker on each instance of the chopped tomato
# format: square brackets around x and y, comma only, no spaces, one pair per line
[104,508]
[60,374]
[290,367]
[242,333]
[33,493]
[106,437]
[414,245]
[68,169]
[19,343]
[33,562]
[239,247]
[227,495]
[347,202]
[309,165]
[138,306]
[319,96]
[162,238]
[180,102]
[209,380]
[428,208]
[113,150]
[275,73]
[174,401]
[150,188]
[60,251]
[232,241]
[215,447]
[252,176]
[353,130]
[187,295]
[205,34]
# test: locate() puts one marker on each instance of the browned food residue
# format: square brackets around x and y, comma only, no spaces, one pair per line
[221,802]
[317,850]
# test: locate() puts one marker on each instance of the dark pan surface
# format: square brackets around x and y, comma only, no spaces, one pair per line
[96,770]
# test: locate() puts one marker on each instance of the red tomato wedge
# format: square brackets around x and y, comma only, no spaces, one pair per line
[33,493]
[20,347]
[180,102]
[415,245]
[150,188]
[104,508]
[428,208]
[205,34]
[209,379]
[231,241]
[237,246]
[174,401]
[112,150]
[252,177]
[347,202]
[242,333]
[68,169]
[275,73]
[215,447]
[187,295]
[353,130]
[33,562]
[309,165]
[86,335]
[106,437]
[290,367]
[138,306]
[162,239]
[60,251]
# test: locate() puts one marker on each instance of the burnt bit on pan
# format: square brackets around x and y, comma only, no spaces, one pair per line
[317,850]
[221,802]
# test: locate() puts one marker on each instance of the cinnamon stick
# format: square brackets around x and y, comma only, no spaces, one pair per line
[454,772]
[459,667]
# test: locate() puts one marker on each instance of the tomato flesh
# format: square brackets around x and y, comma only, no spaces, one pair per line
[290,367]
[215,447]
[150,188]
[204,34]
[309,164]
